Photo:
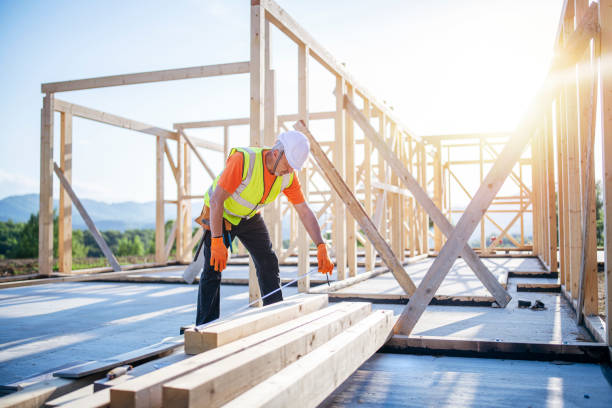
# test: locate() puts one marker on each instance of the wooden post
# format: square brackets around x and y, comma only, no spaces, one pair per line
[340,230]
[605,21]
[552,216]
[304,242]
[566,273]
[187,223]
[367,160]
[180,236]
[349,174]
[561,191]
[64,236]
[587,294]
[160,238]
[396,224]
[424,215]
[257,107]
[437,192]
[45,213]
[575,230]
[483,242]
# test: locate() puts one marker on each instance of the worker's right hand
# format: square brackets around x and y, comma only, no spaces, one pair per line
[325,263]
[218,254]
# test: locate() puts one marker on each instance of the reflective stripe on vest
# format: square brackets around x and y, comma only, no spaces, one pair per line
[236,199]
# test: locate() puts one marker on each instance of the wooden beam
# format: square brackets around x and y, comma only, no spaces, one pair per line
[605,16]
[110,119]
[303,104]
[212,336]
[339,159]
[90,225]
[45,212]
[198,155]
[349,177]
[222,381]
[64,234]
[587,288]
[310,379]
[146,390]
[245,121]
[355,208]
[160,222]
[148,77]
[481,271]
[485,194]
[285,23]
[257,108]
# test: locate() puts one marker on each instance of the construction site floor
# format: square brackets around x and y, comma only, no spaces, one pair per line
[394,380]
[45,327]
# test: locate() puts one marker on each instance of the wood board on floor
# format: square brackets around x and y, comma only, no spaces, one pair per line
[460,284]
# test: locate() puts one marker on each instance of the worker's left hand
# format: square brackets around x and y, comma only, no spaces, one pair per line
[325,263]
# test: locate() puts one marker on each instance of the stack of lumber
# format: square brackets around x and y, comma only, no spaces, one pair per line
[294,353]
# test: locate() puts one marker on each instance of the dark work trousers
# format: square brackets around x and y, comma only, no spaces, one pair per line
[255,237]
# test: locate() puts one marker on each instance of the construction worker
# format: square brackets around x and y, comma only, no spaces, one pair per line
[252,178]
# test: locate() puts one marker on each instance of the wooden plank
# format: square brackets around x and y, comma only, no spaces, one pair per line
[339,160]
[146,390]
[349,177]
[36,395]
[367,164]
[303,104]
[64,234]
[257,109]
[99,366]
[481,271]
[45,212]
[205,338]
[481,201]
[587,287]
[88,221]
[577,351]
[245,121]
[160,223]
[605,15]
[308,381]
[364,221]
[538,287]
[114,120]
[222,381]
[232,68]
[551,194]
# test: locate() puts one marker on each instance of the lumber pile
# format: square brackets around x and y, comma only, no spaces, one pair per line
[294,353]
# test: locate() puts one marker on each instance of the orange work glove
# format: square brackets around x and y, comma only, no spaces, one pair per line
[325,263]
[218,254]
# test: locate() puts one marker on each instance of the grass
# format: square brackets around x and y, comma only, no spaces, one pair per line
[15,267]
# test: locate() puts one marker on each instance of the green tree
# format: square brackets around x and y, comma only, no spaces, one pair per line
[79,250]
[137,247]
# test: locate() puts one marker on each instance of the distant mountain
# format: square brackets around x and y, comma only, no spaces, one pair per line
[115,216]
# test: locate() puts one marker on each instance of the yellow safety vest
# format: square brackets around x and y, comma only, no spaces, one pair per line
[246,200]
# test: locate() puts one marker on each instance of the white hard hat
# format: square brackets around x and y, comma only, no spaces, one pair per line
[296,148]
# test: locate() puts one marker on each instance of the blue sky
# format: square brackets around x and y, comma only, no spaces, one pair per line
[445,66]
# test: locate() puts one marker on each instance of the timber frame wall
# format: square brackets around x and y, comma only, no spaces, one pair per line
[561,175]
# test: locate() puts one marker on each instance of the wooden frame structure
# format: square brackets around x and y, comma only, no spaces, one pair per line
[554,179]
